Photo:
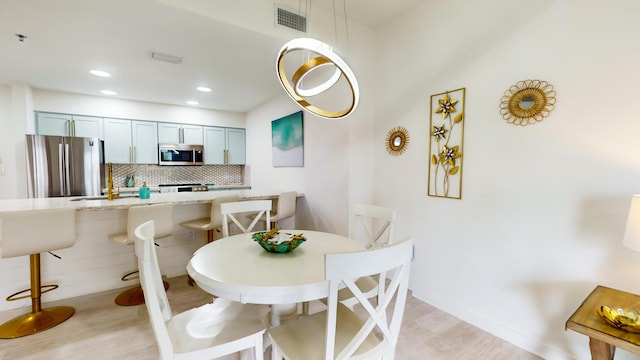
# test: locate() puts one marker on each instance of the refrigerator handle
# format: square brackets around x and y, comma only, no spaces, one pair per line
[66,169]
[60,168]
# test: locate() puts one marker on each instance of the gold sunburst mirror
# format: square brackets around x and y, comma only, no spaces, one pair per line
[397,140]
[527,102]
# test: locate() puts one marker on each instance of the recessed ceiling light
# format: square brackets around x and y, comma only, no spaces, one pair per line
[203,89]
[191,102]
[109,92]
[100,73]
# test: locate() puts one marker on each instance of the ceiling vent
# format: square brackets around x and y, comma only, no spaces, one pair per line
[166,57]
[290,20]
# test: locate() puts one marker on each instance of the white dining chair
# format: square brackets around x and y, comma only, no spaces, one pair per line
[340,333]
[232,212]
[207,332]
[372,226]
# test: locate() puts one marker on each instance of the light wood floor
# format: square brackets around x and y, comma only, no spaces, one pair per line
[102,330]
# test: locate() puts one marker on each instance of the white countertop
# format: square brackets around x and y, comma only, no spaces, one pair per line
[181,198]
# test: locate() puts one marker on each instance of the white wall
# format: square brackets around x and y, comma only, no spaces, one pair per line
[16,119]
[543,206]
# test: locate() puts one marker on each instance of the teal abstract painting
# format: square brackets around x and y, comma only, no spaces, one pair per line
[287,135]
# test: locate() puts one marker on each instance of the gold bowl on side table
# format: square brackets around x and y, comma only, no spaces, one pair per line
[278,242]
[621,318]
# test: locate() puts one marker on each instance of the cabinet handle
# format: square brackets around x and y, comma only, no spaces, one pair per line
[73,127]
[69,128]
[181,136]
[135,155]
[130,154]
[226,156]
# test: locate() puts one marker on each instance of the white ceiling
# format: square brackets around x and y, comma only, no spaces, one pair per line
[67,38]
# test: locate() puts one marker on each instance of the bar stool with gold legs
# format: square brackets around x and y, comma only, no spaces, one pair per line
[285,208]
[163,216]
[30,233]
[213,224]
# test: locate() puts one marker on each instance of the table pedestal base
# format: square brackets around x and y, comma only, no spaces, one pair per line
[281,313]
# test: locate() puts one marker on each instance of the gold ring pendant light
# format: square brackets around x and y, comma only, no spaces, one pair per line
[321,56]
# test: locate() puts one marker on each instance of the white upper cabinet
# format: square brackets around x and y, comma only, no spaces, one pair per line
[130,141]
[170,133]
[236,146]
[69,125]
[117,141]
[145,142]
[224,146]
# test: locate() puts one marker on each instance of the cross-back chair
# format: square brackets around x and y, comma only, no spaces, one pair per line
[207,332]
[338,333]
[232,212]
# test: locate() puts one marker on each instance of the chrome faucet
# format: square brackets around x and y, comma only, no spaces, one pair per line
[110,194]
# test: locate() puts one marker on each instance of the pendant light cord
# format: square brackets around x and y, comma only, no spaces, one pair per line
[346,24]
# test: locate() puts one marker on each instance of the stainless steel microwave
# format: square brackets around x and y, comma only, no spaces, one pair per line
[180,154]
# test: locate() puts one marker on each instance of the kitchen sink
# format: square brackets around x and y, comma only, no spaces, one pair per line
[103,197]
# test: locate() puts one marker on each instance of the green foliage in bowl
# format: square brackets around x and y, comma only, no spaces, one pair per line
[269,241]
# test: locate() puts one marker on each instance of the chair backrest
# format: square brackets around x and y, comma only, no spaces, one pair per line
[255,208]
[36,231]
[162,214]
[154,294]
[286,204]
[373,223]
[216,216]
[346,268]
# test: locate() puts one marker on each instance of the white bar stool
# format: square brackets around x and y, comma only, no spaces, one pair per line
[285,208]
[162,214]
[30,233]
[213,224]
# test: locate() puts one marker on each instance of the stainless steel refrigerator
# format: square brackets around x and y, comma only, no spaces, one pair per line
[64,166]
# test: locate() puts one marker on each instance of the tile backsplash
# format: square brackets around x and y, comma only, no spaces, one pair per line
[155,174]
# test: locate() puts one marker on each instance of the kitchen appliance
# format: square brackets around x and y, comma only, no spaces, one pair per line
[180,154]
[167,188]
[59,166]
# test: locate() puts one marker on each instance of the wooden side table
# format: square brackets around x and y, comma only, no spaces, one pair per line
[604,338]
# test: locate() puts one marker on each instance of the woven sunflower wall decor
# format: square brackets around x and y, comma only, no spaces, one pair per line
[397,140]
[527,102]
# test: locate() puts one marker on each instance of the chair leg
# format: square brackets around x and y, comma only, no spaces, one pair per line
[38,319]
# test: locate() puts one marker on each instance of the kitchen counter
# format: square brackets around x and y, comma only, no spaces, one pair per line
[157,189]
[89,203]
[95,263]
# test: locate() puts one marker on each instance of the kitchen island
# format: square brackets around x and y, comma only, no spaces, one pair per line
[95,263]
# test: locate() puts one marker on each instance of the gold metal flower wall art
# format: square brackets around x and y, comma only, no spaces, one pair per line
[446,130]
[527,102]
[397,140]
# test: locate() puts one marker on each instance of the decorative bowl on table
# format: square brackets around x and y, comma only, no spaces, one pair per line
[621,318]
[276,241]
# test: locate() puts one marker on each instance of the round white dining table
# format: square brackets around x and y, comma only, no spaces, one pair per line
[239,269]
